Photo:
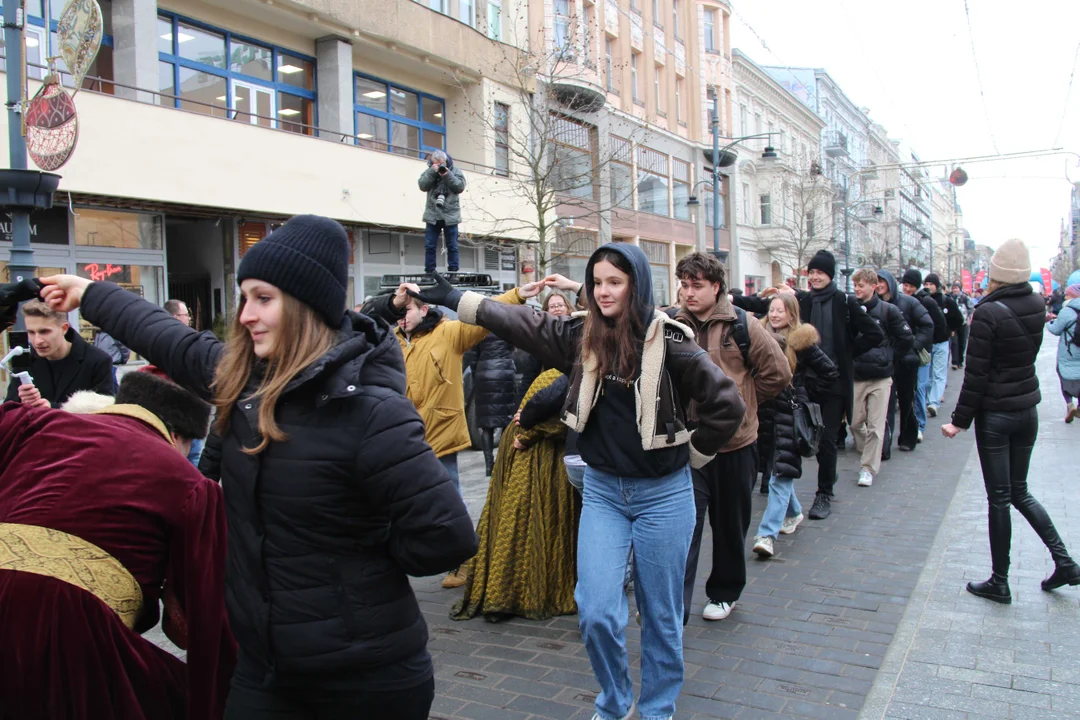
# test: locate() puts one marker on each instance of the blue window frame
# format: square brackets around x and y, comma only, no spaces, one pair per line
[397,118]
[217,72]
[35,45]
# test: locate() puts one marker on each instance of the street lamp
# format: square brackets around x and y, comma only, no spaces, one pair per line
[877,212]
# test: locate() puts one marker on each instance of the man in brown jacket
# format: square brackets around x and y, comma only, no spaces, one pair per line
[724,486]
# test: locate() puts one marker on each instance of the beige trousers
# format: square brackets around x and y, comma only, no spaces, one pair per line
[868,425]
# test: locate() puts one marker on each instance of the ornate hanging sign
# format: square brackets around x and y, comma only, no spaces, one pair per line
[79,33]
[52,126]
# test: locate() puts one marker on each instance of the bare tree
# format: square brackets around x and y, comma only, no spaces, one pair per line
[801,221]
[551,152]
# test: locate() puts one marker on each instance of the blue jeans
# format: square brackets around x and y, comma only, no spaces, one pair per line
[655,517]
[576,475]
[450,463]
[431,245]
[196,451]
[939,374]
[921,388]
[782,504]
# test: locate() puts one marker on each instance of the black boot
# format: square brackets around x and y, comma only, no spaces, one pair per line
[1063,575]
[487,445]
[996,589]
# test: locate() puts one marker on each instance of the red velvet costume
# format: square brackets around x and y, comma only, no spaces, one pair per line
[113,481]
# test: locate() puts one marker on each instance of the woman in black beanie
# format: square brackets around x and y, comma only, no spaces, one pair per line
[333,497]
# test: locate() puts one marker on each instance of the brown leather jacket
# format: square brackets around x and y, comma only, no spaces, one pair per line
[675,372]
[771,371]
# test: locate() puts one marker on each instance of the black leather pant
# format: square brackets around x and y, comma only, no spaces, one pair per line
[487,445]
[1005,441]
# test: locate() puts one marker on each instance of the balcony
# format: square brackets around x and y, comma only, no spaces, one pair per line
[835,144]
[868,170]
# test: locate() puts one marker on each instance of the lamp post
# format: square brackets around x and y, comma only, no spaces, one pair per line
[768,156]
[878,212]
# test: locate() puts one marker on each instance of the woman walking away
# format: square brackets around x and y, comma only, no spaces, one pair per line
[810,366]
[634,374]
[1067,327]
[528,530]
[332,496]
[1000,393]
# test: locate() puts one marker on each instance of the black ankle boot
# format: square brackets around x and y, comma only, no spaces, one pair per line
[1063,575]
[996,589]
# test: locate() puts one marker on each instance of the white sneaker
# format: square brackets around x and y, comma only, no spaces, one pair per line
[865,478]
[717,610]
[763,546]
[920,436]
[790,524]
[627,716]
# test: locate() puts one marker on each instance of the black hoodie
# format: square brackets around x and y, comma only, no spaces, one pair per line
[604,444]
[941,326]
[918,319]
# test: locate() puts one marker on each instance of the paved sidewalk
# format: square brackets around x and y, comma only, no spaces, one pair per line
[806,639]
[959,656]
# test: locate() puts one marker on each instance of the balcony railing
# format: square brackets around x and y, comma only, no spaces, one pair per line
[836,144]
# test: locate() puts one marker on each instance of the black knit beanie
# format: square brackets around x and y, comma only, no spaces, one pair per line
[912,277]
[307,257]
[934,280]
[824,261]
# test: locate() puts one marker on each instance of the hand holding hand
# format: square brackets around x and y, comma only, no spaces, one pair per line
[517,418]
[561,282]
[949,430]
[401,295]
[531,290]
[63,293]
[443,293]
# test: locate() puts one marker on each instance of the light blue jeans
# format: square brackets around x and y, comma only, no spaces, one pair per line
[782,504]
[921,388]
[654,516]
[939,374]
[450,463]
[196,451]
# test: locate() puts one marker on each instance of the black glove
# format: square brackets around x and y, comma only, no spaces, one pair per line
[443,293]
[11,295]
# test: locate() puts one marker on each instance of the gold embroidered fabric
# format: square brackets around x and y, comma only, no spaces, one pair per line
[55,554]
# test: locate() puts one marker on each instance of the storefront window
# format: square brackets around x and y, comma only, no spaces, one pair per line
[652,179]
[47,227]
[657,252]
[143,280]
[116,229]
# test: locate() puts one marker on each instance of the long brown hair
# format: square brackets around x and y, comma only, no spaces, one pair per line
[613,342]
[791,306]
[303,337]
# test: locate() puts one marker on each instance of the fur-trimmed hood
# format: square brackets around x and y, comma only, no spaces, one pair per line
[86,402]
[803,337]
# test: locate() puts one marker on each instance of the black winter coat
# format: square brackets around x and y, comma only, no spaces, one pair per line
[856,332]
[326,526]
[954,319]
[941,325]
[1000,370]
[85,368]
[494,383]
[777,416]
[917,318]
[878,362]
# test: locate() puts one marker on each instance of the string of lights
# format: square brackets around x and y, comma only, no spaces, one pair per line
[1068,96]
[978,79]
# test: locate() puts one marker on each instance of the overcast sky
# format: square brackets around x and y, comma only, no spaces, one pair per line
[912,64]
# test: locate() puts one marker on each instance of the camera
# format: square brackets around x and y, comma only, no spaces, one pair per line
[440,200]
[443,170]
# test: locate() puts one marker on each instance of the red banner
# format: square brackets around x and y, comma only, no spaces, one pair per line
[979,276]
[1047,281]
[965,277]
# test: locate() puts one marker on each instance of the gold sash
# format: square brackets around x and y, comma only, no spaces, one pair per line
[55,554]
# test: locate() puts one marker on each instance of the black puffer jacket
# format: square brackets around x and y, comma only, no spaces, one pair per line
[494,383]
[941,325]
[877,362]
[1000,370]
[323,527]
[777,417]
[918,319]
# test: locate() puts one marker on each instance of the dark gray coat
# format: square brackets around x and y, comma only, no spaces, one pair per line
[452,184]
[494,383]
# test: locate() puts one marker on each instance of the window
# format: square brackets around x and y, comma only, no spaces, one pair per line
[108,228]
[679,114]
[766,209]
[494,20]
[437,5]
[34,34]
[609,65]
[754,284]
[572,155]
[390,117]
[656,13]
[758,130]
[622,173]
[675,17]
[680,185]
[502,139]
[658,88]
[467,12]
[561,41]
[744,125]
[659,268]
[652,181]
[635,6]
[809,224]
[633,76]
[572,251]
[590,24]
[707,201]
[214,72]
[710,30]
[746,203]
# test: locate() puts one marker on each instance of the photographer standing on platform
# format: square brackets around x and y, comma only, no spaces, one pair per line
[443,184]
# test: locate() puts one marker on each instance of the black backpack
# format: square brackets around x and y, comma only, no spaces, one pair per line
[740,333]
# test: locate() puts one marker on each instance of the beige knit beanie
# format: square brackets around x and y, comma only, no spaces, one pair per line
[1011,263]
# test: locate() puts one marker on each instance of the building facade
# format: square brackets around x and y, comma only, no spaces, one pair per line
[783,207]
[1067,259]
[916,222]
[950,256]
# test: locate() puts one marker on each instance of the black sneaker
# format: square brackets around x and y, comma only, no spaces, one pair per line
[822,507]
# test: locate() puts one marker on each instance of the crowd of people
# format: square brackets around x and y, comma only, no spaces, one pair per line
[335,439]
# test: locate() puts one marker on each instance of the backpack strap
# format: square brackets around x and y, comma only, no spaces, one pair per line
[740,333]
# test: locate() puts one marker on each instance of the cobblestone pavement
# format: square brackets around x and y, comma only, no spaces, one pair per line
[862,615]
[958,656]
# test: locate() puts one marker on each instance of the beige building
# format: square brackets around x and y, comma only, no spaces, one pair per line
[947,224]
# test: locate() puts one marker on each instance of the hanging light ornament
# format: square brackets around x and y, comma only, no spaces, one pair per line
[79,33]
[958,177]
